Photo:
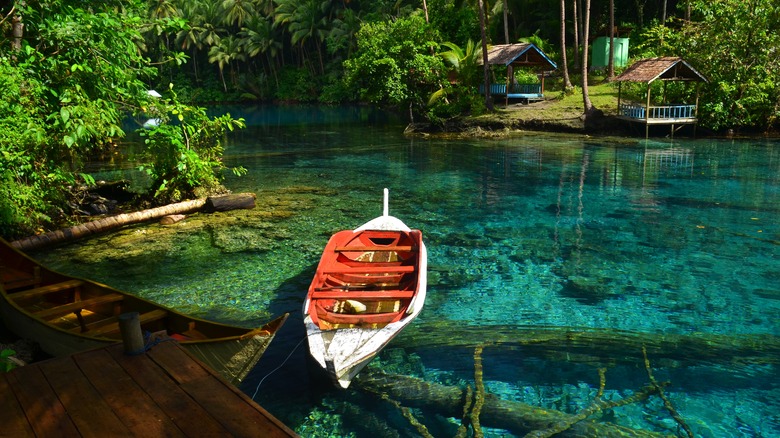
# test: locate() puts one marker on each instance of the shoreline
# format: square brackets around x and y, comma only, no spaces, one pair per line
[555,116]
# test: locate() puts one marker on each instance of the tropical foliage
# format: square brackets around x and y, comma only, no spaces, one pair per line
[70,71]
[69,80]
[403,53]
[737,46]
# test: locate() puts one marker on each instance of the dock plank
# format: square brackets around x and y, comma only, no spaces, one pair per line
[164,392]
[177,363]
[187,414]
[238,417]
[44,411]
[133,405]
[12,416]
[89,411]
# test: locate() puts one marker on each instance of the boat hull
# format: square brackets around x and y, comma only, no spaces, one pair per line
[370,284]
[30,296]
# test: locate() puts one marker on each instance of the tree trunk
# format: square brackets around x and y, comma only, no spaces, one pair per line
[519,418]
[506,21]
[236,201]
[486,67]
[218,203]
[663,13]
[611,63]
[600,346]
[577,39]
[587,104]
[566,81]
[17,27]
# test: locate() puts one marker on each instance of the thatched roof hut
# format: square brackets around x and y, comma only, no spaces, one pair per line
[665,68]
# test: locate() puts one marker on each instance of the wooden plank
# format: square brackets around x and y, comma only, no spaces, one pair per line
[375,248]
[111,325]
[13,422]
[44,411]
[43,290]
[236,414]
[90,413]
[135,407]
[370,270]
[188,415]
[181,367]
[78,305]
[349,295]
[15,279]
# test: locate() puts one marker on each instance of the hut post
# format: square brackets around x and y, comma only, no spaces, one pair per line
[510,80]
[696,109]
[647,112]
[663,97]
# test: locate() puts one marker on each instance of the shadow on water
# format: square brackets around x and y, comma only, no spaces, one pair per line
[285,367]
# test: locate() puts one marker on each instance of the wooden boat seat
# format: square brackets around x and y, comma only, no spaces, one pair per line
[16,279]
[77,306]
[43,290]
[354,295]
[375,248]
[111,325]
[370,270]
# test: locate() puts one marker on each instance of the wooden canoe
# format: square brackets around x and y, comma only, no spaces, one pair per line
[370,284]
[65,315]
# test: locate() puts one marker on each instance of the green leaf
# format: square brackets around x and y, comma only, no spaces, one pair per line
[65,114]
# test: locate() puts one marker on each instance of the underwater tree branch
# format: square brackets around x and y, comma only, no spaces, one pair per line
[667,403]
[479,396]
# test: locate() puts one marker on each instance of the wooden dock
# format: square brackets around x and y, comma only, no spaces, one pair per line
[164,392]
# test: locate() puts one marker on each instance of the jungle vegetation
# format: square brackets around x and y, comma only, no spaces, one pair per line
[71,71]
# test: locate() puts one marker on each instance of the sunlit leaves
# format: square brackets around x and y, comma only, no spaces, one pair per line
[395,62]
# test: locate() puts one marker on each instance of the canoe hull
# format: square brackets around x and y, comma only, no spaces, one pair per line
[232,351]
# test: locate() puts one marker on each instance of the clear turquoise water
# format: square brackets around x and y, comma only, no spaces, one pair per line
[622,241]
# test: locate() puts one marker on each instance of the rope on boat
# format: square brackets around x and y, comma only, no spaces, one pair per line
[277,368]
[148,343]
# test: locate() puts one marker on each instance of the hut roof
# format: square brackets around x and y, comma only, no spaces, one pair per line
[665,68]
[518,55]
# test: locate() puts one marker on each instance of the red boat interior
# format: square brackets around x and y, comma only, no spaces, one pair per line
[365,279]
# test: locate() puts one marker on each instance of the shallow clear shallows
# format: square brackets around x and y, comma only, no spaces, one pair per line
[558,254]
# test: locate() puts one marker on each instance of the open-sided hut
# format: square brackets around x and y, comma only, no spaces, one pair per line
[519,55]
[664,69]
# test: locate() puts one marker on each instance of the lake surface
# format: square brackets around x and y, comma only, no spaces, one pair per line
[550,257]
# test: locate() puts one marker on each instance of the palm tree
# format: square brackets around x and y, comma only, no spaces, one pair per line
[343,30]
[305,20]
[587,104]
[566,81]
[486,67]
[611,63]
[259,37]
[236,11]
[219,54]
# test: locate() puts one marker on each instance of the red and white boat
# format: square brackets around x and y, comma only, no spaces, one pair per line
[369,285]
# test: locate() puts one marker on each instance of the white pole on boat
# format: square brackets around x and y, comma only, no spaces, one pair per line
[386,211]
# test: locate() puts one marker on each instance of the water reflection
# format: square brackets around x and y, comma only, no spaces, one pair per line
[609,244]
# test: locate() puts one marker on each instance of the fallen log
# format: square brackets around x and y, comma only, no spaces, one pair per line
[518,418]
[210,204]
[230,202]
[598,346]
